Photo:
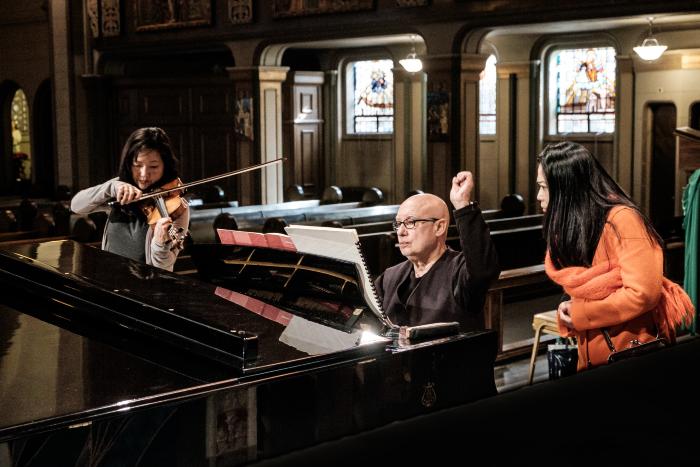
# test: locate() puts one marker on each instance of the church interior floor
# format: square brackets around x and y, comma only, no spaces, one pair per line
[513,375]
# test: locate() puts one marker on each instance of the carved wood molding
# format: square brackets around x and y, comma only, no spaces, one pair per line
[240,11]
[104,18]
[410,3]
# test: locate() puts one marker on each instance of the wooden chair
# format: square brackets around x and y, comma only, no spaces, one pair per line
[545,322]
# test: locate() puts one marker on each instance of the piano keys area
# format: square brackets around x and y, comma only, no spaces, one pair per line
[108,362]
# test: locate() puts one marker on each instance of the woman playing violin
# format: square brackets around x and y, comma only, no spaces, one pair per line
[147,163]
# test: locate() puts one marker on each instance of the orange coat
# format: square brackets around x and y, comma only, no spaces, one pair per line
[627,312]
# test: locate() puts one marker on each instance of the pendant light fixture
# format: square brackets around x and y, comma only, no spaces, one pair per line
[650,49]
[412,63]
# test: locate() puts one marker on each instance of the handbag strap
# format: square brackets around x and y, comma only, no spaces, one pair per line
[608,340]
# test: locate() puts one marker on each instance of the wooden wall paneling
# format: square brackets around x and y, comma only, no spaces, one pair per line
[303,124]
[198,117]
[307,163]
[180,141]
[213,104]
[163,105]
[215,152]
[213,115]
[126,102]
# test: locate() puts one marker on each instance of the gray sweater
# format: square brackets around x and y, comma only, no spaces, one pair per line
[95,199]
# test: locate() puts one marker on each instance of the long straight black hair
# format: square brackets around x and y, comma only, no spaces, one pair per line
[581,193]
[145,139]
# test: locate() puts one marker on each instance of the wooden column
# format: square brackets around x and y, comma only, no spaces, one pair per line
[64,98]
[471,67]
[244,83]
[270,80]
[103,161]
[409,133]
[442,111]
[332,126]
[258,95]
[624,123]
[512,124]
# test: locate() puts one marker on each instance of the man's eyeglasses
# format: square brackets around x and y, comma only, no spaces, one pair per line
[411,223]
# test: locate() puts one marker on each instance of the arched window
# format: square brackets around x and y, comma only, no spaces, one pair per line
[487,98]
[370,97]
[581,92]
[21,145]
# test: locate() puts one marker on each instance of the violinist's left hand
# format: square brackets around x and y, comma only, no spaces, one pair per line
[161,230]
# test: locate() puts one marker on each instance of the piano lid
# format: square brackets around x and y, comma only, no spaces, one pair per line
[52,374]
[98,286]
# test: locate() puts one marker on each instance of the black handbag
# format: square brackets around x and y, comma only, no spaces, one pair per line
[562,359]
[634,348]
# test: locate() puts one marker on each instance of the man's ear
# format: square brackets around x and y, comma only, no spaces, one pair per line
[441,226]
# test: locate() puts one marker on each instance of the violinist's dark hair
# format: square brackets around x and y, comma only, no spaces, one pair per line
[151,138]
[581,193]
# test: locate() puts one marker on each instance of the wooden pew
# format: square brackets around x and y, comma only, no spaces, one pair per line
[530,276]
[368,224]
[31,219]
[202,220]
[517,246]
[369,196]
[8,221]
[254,220]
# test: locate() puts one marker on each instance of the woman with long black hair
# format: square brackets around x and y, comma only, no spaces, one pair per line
[147,162]
[606,255]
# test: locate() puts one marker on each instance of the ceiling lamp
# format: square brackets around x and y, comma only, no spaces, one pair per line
[412,63]
[650,49]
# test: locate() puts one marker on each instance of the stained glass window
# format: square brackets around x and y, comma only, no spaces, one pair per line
[20,114]
[21,145]
[487,98]
[373,90]
[583,83]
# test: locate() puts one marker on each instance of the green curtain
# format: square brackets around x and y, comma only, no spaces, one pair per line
[691,224]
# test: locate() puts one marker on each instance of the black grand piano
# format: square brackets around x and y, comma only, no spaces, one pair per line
[105,361]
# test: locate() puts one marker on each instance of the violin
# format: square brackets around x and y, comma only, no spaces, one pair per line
[170,204]
[166,205]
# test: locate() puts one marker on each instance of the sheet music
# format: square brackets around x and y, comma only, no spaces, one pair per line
[268,240]
[341,244]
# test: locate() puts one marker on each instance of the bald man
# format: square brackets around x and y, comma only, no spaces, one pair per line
[436,283]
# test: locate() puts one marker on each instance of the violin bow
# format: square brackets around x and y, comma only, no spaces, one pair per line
[184,186]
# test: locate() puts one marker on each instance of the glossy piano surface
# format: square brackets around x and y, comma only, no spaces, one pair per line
[48,372]
[198,316]
[102,358]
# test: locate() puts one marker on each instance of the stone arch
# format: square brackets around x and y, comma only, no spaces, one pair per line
[471,40]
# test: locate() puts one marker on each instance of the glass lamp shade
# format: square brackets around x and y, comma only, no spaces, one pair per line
[411,63]
[650,49]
